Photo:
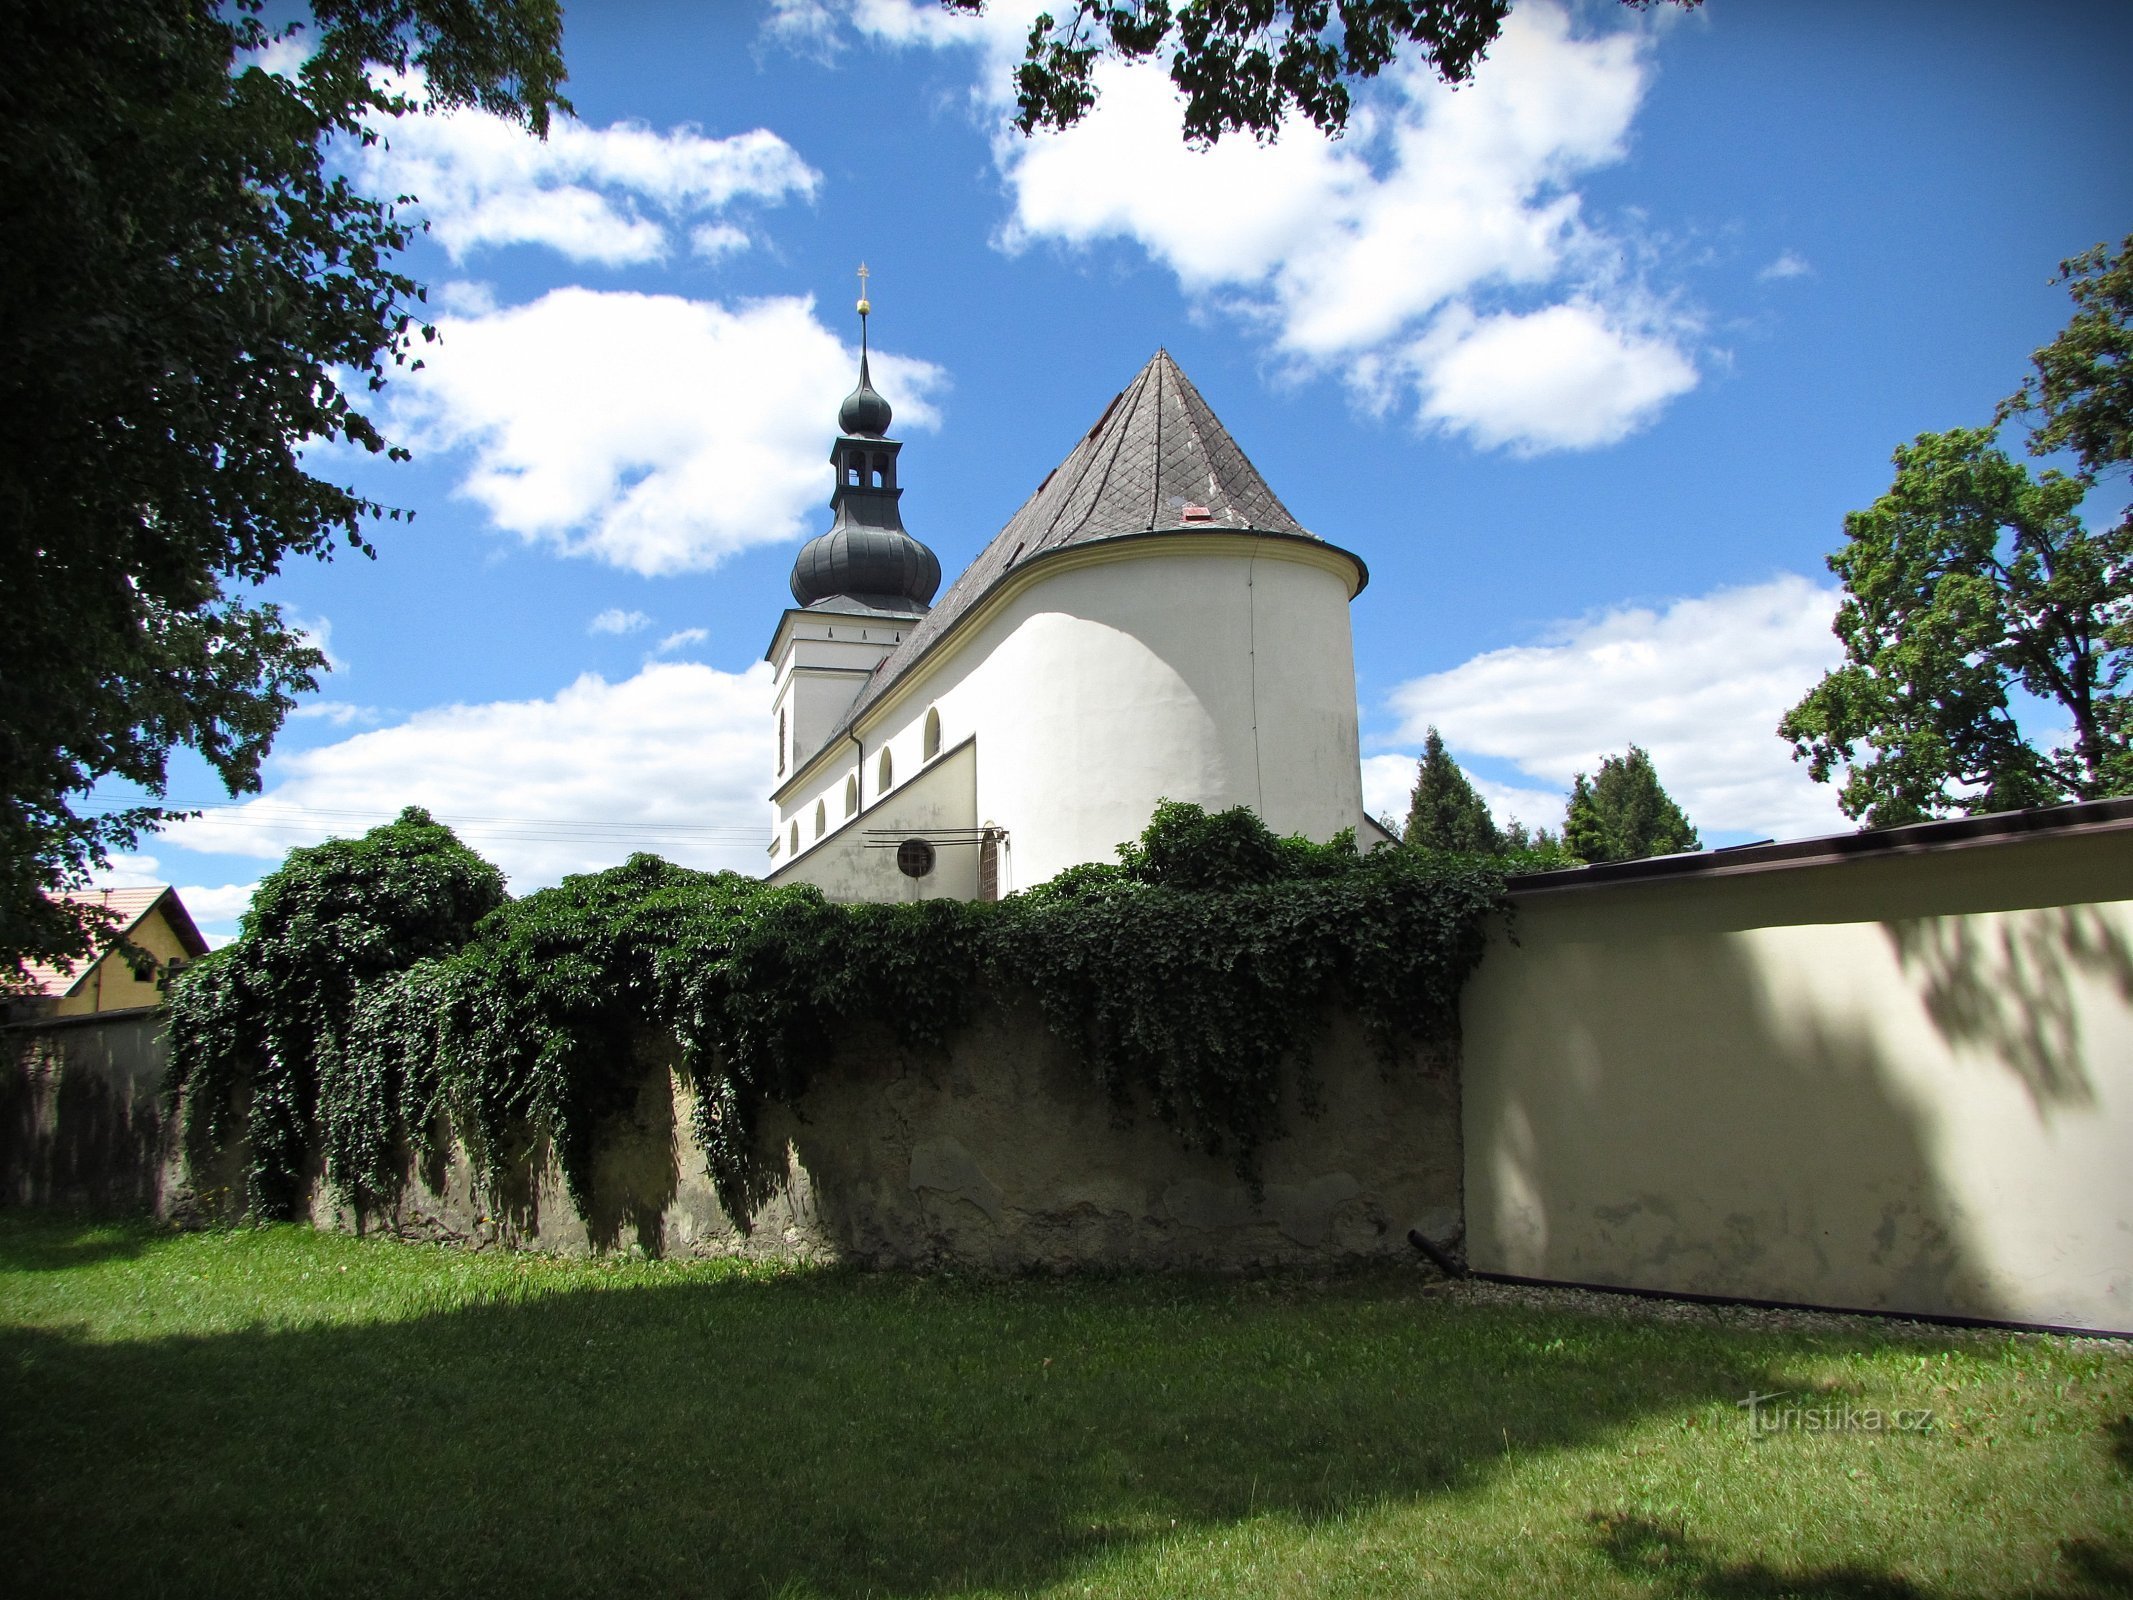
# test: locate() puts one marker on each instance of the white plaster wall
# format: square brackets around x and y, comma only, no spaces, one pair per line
[938,797]
[1901,1085]
[822,664]
[1213,675]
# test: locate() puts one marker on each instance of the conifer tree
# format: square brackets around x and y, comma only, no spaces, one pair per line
[1445,813]
[1518,839]
[1624,814]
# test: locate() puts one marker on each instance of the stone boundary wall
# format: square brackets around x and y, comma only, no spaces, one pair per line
[1000,1154]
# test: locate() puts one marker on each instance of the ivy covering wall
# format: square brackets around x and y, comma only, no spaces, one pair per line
[385,996]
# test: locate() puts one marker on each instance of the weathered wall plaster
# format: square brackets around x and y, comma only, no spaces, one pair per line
[1002,1155]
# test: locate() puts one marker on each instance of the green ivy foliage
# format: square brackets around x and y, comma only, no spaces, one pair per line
[271,1014]
[1191,977]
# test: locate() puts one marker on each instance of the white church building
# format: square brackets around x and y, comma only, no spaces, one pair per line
[1151,624]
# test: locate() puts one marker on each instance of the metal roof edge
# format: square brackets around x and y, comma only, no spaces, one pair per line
[2074,819]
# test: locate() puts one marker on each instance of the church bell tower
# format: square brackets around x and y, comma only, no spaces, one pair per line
[866,556]
[860,587]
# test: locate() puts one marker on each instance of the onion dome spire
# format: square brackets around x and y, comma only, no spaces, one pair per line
[864,412]
[866,556]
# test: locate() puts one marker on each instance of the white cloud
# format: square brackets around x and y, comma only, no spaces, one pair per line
[1700,684]
[1787,265]
[1569,377]
[1442,235]
[341,713]
[318,633]
[615,620]
[129,872]
[808,27]
[674,760]
[606,195]
[214,909]
[469,297]
[714,241]
[682,640]
[651,432]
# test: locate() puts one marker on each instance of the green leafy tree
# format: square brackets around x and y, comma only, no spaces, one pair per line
[1245,64]
[1623,814]
[184,288]
[1973,578]
[2083,387]
[1444,812]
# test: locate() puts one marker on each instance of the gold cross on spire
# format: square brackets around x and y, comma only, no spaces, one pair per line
[864,307]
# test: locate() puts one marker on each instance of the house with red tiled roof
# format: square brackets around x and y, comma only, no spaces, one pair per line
[153,920]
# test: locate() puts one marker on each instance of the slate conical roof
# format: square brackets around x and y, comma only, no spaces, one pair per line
[1155,452]
[1157,461]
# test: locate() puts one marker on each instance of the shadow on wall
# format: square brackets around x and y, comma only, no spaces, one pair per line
[1645,1113]
[998,1153]
[638,1167]
[2010,989]
[81,1121]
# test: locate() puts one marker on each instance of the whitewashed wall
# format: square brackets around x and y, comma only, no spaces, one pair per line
[1896,1084]
[1212,668]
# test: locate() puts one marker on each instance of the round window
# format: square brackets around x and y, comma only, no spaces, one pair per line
[914,858]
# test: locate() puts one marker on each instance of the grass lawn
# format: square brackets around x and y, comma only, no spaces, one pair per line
[285,1412]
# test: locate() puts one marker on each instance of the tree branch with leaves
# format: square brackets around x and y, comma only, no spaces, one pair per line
[1246,65]
[1973,579]
[185,285]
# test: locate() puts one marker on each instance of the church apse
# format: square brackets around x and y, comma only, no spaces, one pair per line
[1152,624]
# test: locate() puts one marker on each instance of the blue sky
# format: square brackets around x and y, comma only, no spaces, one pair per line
[1587,361]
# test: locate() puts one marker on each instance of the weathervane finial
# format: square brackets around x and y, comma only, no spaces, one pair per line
[865,305]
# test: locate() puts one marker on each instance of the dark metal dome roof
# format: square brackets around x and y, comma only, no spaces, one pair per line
[864,412]
[884,568]
[866,556]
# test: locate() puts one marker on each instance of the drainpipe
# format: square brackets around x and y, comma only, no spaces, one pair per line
[1443,1260]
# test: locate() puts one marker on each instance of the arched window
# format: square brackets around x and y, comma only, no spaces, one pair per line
[881,472]
[821,818]
[796,838]
[781,744]
[885,774]
[933,733]
[851,795]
